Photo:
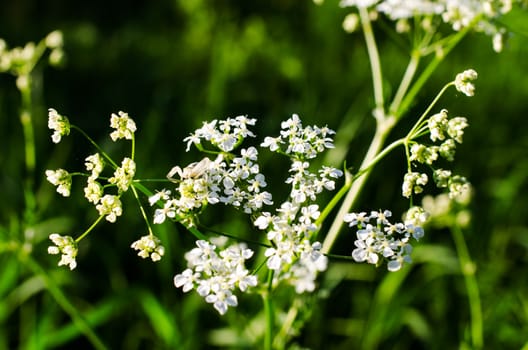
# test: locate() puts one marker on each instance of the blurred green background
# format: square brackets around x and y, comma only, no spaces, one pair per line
[174,64]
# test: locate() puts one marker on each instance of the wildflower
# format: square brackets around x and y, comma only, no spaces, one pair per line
[416,216]
[110,206]
[60,178]
[447,149]
[95,164]
[441,177]
[423,154]
[149,246]
[54,39]
[124,126]
[455,128]
[216,275]
[60,124]
[124,175]
[66,246]
[93,191]
[463,82]
[412,183]
[351,23]
[384,240]
[437,124]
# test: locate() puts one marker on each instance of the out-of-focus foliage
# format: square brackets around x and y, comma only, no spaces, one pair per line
[172,65]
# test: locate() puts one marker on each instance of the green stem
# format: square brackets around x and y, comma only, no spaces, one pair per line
[382,130]
[431,67]
[143,213]
[78,239]
[269,312]
[406,82]
[467,268]
[103,153]
[374,60]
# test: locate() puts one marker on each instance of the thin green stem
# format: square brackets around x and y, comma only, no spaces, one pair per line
[406,82]
[467,267]
[78,239]
[143,213]
[269,312]
[431,67]
[106,156]
[418,124]
[374,60]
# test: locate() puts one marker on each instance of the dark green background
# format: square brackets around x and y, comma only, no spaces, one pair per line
[172,65]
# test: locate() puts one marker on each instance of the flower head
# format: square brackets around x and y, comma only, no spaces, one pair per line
[110,206]
[60,124]
[124,126]
[66,246]
[463,82]
[60,178]
[149,246]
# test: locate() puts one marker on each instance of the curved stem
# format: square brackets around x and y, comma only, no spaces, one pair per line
[78,239]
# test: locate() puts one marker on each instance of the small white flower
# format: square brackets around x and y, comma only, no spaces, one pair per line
[60,124]
[463,82]
[60,178]
[124,175]
[149,246]
[110,206]
[95,164]
[66,246]
[124,126]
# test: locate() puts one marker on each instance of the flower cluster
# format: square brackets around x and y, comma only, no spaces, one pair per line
[60,124]
[149,246]
[463,82]
[108,205]
[229,179]
[60,178]
[124,126]
[21,60]
[224,134]
[66,246]
[378,238]
[457,13]
[449,131]
[217,274]
[294,257]
[301,142]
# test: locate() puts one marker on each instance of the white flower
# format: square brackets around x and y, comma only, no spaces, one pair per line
[216,275]
[95,164]
[124,126]
[93,191]
[149,245]
[60,178]
[110,206]
[66,246]
[357,3]
[124,175]
[463,82]
[54,39]
[60,124]
[412,183]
